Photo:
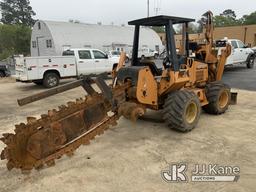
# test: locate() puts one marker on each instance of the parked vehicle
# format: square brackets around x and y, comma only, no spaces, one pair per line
[254,49]
[146,52]
[48,71]
[240,52]
[4,70]
[116,54]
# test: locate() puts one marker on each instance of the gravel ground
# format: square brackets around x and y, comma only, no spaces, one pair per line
[130,156]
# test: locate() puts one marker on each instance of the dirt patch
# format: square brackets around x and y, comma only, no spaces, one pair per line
[7,80]
[131,156]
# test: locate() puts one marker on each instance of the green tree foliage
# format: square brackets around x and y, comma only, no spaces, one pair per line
[17,12]
[200,26]
[222,21]
[14,39]
[226,18]
[192,28]
[229,13]
[159,29]
[249,19]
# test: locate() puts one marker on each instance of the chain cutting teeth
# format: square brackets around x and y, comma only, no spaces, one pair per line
[51,113]
[35,144]
[44,116]
[62,107]
[31,120]
[71,104]
[16,147]
[7,138]
[4,154]
[19,127]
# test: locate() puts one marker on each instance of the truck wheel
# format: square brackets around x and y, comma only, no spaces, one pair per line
[250,62]
[2,74]
[127,60]
[182,110]
[51,80]
[218,96]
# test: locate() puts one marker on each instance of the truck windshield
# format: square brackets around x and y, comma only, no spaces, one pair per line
[115,53]
[221,43]
[68,53]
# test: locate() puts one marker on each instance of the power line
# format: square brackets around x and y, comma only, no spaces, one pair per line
[147,8]
[157,6]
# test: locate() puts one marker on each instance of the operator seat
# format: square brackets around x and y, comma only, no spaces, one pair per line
[151,64]
[181,60]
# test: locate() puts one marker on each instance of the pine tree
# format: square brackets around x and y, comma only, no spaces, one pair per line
[17,12]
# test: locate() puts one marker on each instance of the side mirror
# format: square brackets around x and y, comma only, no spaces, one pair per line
[106,56]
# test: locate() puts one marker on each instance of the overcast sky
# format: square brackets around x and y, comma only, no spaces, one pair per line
[120,11]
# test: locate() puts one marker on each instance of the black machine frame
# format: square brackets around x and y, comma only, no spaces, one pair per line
[167,22]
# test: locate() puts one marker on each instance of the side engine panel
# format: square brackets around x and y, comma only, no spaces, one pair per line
[144,86]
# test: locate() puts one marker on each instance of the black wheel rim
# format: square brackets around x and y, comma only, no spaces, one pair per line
[251,61]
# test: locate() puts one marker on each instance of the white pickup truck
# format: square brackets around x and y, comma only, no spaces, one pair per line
[240,52]
[146,52]
[49,70]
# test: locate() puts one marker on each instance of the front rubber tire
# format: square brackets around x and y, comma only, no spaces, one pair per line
[250,62]
[127,60]
[219,96]
[2,74]
[51,80]
[182,110]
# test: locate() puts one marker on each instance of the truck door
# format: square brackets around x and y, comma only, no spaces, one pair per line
[101,61]
[235,54]
[85,62]
[243,52]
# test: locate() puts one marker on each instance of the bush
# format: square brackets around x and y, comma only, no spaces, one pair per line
[14,39]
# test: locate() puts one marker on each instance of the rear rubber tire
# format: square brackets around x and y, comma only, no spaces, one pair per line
[250,62]
[51,80]
[2,74]
[218,96]
[182,110]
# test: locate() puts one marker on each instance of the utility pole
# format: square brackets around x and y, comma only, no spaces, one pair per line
[157,6]
[148,8]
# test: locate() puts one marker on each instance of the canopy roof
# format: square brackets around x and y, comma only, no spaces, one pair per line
[160,20]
